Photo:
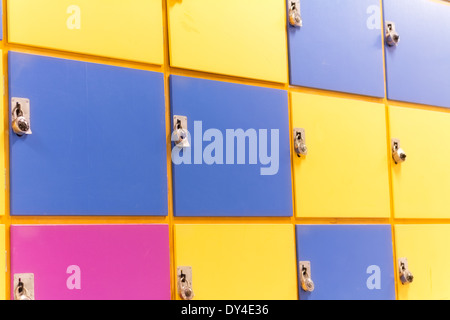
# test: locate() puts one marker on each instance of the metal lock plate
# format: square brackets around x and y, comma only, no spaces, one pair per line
[184,276]
[397,153]
[305,276]
[295,16]
[180,132]
[300,142]
[27,293]
[392,37]
[405,275]
[20,114]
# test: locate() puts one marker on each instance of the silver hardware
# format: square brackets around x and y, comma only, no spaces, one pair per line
[305,276]
[392,37]
[20,116]
[405,275]
[299,142]
[295,16]
[398,154]
[24,286]
[180,132]
[184,276]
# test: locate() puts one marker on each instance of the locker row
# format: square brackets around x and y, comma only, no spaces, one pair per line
[216,262]
[90,139]
[331,45]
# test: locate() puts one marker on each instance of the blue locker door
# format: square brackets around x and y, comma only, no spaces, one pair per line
[224,173]
[348,262]
[339,47]
[418,68]
[98,142]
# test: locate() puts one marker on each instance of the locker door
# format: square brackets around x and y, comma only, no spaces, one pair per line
[346,162]
[98,142]
[232,37]
[3,262]
[426,249]
[338,47]
[92,262]
[421,184]
[424,30]
[129,30]
[238,160]
[347,262]
[238,262]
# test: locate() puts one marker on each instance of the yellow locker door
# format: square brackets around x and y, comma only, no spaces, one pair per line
[2,263]
[426,249]
[129,30]
[345,171]
[232,37]
[421,184]
[238,262]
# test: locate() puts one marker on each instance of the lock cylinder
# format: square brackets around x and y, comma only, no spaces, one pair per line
[21,293]
[299,142]
[180,134]
[392,37]
[305,276]
[20,116]
[185,283]
[398,154]
[295,18]
[406,276]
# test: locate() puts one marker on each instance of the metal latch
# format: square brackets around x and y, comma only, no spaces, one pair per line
[184,276]
[300,142]
[24,286]
[397,153]
[405,275]
[392,37]
[295,16]
[305,276]
[20,116]
[180,132]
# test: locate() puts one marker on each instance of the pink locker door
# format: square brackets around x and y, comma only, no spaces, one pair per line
[92,262]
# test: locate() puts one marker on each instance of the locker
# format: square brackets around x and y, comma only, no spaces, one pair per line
[347,262]
[92,262]
[238,262]
[424,29]
[425,248]
[238,159]
[2,265]
[128,30]
[346,161]
[231,37]
[97,144]
[338,47]
[421,184]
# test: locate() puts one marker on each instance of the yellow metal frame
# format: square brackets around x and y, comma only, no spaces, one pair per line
[7,220]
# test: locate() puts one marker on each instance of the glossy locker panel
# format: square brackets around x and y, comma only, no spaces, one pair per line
[426,248]
[238,262]
[348,262]
[424,30]
[421,184]
[129,30]
[2,262]
[338,47]
[232,37]
[98,142]
[93,262]
[226,177]
[347,162]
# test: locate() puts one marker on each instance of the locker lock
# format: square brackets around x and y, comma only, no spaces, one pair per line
[299,142]
[305,276]
[180,132]
[185,283]
[20,292]
[295,18]
[405,275]
[20,116]
[398,154]
[392,37]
